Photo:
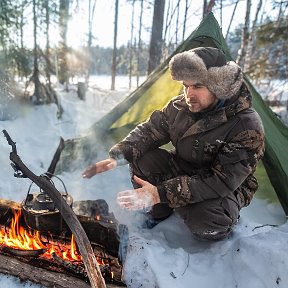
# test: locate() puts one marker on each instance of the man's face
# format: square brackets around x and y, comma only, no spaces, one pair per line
[198,97]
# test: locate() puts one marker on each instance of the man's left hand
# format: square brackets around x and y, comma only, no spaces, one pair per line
[141,198]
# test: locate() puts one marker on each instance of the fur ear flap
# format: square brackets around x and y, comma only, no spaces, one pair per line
[224,81]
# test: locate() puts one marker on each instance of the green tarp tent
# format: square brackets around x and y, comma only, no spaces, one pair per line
[158,89]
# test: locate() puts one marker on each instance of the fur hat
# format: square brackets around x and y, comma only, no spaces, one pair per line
[207,66]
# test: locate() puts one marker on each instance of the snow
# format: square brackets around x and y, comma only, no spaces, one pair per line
[254,256]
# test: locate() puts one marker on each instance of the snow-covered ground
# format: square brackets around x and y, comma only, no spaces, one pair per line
[255,256]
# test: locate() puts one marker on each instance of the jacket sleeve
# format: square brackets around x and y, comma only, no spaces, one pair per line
[236,160]
[146,136]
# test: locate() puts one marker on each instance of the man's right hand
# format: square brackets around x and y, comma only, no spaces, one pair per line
[99,167]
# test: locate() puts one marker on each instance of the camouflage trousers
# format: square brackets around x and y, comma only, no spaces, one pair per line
[211,219]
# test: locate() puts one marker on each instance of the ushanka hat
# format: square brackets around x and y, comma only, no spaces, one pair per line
[207,66]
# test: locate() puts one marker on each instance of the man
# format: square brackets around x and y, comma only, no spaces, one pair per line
[218,140]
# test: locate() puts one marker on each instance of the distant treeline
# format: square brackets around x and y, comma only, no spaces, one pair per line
[101,59]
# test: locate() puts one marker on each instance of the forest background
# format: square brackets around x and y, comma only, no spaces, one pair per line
[45,48]
[35,48]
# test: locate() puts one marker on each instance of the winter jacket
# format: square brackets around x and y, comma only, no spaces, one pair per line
[218,149]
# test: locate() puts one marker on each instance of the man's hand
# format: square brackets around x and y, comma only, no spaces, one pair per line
[141,198]
[99,167]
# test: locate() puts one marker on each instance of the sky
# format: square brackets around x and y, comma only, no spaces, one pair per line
[167,256]
[103,25]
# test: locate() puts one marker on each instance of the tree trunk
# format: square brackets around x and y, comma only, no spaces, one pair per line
[35,54]
[177,23]
[250,44]
[89,43]
[139,43]
[231,20]
[22,73]
[131,46]
[52,96]
[155,51]
[114,60]
[167,23]
[245,35]
[207,7]
[221,13]
[204,8]
[81,90]
[47,54]
[281,11]
[185,20]
[62,57]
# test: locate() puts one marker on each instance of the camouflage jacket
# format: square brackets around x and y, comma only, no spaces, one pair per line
[218,149]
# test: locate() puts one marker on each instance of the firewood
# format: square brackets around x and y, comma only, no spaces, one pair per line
[11,265]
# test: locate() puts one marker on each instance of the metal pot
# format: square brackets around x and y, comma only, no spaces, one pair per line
[40,213]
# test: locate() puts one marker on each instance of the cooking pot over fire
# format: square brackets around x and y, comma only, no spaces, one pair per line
[40,212]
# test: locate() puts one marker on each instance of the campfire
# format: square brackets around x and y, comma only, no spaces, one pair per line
[39,233]
[16,238]
[25,242]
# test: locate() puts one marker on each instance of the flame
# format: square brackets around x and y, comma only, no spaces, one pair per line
[17,237]
[72,253]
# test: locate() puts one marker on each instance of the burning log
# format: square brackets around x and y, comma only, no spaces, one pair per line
[100,226]
[49,252]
